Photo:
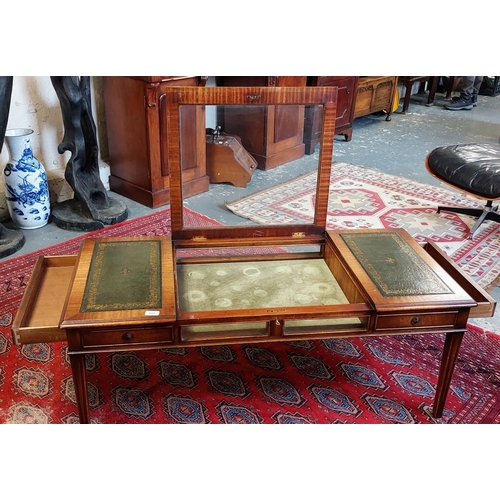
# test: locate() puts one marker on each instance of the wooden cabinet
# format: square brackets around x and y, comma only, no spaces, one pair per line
[273,136]
[137,135]
[347,88]
[375,93]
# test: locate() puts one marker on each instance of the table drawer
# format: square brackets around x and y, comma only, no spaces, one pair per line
[39,314]
[126,336]
[486,304]
[416,321]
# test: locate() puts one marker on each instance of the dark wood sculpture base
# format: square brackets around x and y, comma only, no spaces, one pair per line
[70,215]
[11,240]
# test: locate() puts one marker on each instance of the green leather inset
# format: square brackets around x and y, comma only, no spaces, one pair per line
[393,266]
[124,275]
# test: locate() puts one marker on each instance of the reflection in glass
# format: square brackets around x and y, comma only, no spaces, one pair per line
[238,138]
[317,326]
[224,330]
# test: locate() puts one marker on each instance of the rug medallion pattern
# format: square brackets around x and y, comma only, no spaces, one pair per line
[363,198]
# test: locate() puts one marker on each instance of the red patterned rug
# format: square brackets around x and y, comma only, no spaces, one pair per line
[368,380]
[365,198]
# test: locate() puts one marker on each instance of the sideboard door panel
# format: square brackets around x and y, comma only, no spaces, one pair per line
[347,88]
[273,136]
[137,138]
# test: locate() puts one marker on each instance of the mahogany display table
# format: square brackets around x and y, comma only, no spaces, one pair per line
[349,298]
[247,284]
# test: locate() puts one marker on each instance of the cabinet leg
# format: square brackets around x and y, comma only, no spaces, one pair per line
[406,102]
[80,384]
[448,360]
[432,90]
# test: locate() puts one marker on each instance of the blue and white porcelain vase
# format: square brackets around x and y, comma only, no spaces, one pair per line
[26,187]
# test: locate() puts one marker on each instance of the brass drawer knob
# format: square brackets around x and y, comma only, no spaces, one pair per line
[415,320]
[127,336]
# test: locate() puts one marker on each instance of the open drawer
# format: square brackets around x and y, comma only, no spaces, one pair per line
[485,303]
[41,308]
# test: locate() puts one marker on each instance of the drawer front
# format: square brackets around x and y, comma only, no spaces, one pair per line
[416,321]
[126,336]
[486,304]
[39,314]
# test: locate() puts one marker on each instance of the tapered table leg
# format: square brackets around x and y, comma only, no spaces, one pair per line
[448,360]
[80,384]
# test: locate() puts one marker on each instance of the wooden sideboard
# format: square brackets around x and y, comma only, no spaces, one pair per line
[137,135]
[274,136]
[347,88]
[375,93]
[357,96]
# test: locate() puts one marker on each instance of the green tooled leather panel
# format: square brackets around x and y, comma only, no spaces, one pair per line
[393,266]
[124,275]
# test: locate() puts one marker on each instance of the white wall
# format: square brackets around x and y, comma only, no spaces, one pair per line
[35,105]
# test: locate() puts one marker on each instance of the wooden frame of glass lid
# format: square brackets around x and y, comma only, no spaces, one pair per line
[259,280]
[247,98]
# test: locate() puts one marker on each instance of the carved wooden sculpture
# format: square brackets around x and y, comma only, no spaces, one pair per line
[91,207]
[11,240]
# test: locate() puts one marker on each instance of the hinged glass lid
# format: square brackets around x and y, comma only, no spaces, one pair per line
[253,140]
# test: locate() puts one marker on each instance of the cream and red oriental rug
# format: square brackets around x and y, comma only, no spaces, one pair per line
[364,198]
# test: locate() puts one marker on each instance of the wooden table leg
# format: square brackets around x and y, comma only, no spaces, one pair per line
[80,384]
[448,360]
[432,90]
[451,87]
[406,101]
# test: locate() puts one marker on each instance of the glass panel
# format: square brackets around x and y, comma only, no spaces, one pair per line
[229,286]
[312,326]
[253,151]
[227,330]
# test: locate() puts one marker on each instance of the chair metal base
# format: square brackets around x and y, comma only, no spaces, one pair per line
[488,212]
